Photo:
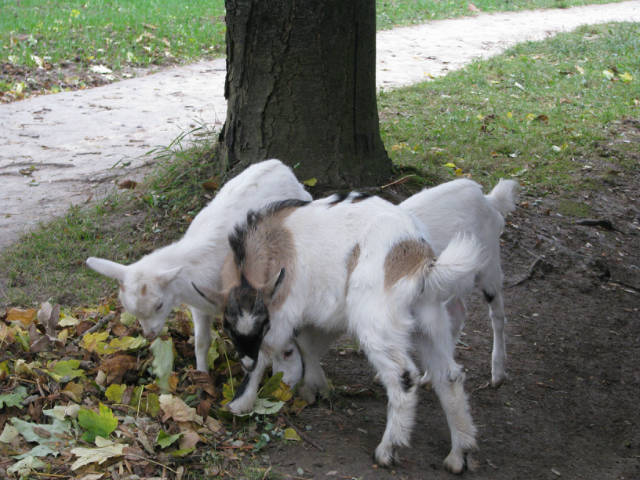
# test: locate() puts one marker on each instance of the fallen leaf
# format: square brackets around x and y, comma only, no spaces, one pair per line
[64,370]
[311,182]
[163,439]
[189,439]
[101,69]
[472,8]
[162,364]
[15,398]
[74,391]
[175,408]
[608,74]
[211,185]
[99,424]
[115,392]
[22,317]
[626,77]
[291,434]
[25,466]
[96,455]
[128,184]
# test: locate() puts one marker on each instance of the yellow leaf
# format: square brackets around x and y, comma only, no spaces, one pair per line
[115,392]
[67,320]
[311,182]
[530,116]
[450,165]
[509,115]
[94,342]
[626,77]
[608,74]
[458,172]
[291,434]
[74,391]
[480,117]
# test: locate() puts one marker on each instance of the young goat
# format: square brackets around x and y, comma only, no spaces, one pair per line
[459,206]
[152,286]
[444,211]
[357,264]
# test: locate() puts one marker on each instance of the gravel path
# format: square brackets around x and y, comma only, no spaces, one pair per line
[76,145]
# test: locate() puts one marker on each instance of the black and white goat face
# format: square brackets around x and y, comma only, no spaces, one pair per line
[246,321]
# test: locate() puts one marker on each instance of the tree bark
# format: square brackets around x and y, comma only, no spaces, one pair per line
[300,87]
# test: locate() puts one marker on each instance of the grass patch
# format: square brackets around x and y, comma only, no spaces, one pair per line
[536,112]
[392,13]
[48,263]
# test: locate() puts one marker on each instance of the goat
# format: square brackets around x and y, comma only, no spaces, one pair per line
[357,264]
[152,286]
[444,211]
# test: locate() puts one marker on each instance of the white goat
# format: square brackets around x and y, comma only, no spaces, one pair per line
[444,211]
[357,264]
[152,286]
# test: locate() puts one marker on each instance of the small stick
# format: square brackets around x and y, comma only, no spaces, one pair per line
[302,435]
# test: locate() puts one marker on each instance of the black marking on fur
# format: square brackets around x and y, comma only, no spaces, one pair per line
[407,381]
[360,196]
[238,237]
[488,296]
[243,386]
[338,198]
[203,295]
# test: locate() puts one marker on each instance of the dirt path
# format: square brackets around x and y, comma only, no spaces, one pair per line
[64,149]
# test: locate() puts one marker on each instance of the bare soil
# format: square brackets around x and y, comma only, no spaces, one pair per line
[570,407]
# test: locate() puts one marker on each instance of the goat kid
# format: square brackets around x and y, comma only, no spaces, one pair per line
[152,286]
[443,211]
[357,264]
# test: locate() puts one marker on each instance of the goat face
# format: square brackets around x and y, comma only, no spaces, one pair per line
[246,321]
[144,291]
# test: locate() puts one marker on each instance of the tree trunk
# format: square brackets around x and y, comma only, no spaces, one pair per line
[301,87]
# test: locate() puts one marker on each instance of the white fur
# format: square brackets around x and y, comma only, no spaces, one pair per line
[460,207]
[325,298]
[446,211]
[199,255]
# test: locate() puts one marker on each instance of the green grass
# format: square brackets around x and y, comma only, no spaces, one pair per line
[392,13]
[535,112]
[112,33]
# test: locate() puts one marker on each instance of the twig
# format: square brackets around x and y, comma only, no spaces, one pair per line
[302,435]
[395,182]
[150,461]
[101,323]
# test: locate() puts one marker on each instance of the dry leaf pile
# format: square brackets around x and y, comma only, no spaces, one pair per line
[84,395]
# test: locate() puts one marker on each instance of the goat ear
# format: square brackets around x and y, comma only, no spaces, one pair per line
[164,278]
[270,289]
[211,296]
[107,268]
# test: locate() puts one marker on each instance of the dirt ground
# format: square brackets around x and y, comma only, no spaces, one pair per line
[570,407]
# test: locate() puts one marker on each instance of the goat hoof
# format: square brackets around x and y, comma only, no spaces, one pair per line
[239,407]
[384,456]
[455,462]
[498,381]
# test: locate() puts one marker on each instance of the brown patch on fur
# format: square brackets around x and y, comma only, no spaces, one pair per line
[405,259]
[269,248]
[143,290]
[352,261]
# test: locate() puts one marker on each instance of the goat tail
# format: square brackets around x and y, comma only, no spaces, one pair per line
[504,196]
[453,273]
